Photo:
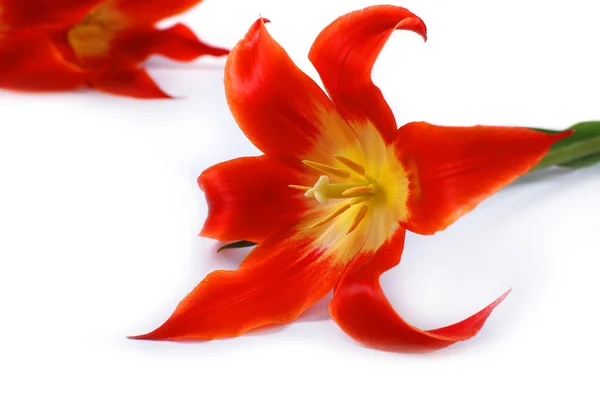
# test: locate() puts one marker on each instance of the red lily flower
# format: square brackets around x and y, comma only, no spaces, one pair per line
[373,182]
[102,42]
[29,59]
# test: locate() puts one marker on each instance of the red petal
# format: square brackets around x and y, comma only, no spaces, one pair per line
[361,309]
[30,62]
[249,199]
[148,12]
[131,82]
[279,108]
[279,279]
[24,14]
[452,169]
[344,54]
[178,43]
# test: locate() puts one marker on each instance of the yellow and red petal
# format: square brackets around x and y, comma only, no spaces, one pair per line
[344,54]
[279,108]
[26,14]
[361,309]
[452,169]
[249,199]
[30,62]
[129,81]
[177,42]
[279,280]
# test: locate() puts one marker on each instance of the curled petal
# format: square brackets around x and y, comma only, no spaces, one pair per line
[26,14]
[361,309]
[452,169]
[279,279]
[30,62]
[344,54]
[249,199]
[128,81]
[177,42]
[279,108]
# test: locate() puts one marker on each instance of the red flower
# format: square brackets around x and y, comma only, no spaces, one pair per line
[373,182]
[96,43]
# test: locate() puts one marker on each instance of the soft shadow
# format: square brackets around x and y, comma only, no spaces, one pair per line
[266,330]
[543,174]
[165,64]
[318,311]
[231,257]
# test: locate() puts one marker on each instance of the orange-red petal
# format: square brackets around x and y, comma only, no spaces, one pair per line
[177,42]
[30,62]
[148,12]
[279,279]
[25,14]
[249,198]
[279,108]
[344,54]
[128,81]
[452,169]
[361,309]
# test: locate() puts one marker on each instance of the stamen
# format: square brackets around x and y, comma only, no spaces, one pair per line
[331,216]
[300,187]
[341,173]
[358,200]
[360,215]
[369,189]
[354,166]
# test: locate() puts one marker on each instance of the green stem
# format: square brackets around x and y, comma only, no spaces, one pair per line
[584,143]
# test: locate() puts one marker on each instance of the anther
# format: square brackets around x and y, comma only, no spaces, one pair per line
[299,187]
[331,216]
[354,166]
[360,215]
[341,173]
[369,189]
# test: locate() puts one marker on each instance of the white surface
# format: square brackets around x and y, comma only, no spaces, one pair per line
[99,212]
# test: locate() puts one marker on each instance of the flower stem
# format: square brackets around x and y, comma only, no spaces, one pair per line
[580,149]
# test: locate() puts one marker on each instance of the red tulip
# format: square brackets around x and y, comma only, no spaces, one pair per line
[101,42]
[330,201]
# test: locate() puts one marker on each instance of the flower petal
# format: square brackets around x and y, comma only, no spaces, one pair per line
[279,108]
[30,62]
[452,169]
[279,280]
[177,42]
[344,54]
[361,309]
[148,12]
[249,198]
[128,81]
[25,14]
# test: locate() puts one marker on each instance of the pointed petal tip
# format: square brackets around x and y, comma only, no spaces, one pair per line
[220,52]
[145,336]
[414,24]
[154,335]
[501,298]
[562,135]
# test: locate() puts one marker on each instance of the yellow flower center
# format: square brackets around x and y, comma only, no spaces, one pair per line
[360,194]
[357,193]
[92,37]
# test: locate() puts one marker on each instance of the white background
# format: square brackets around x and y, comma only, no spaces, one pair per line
[99,212]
